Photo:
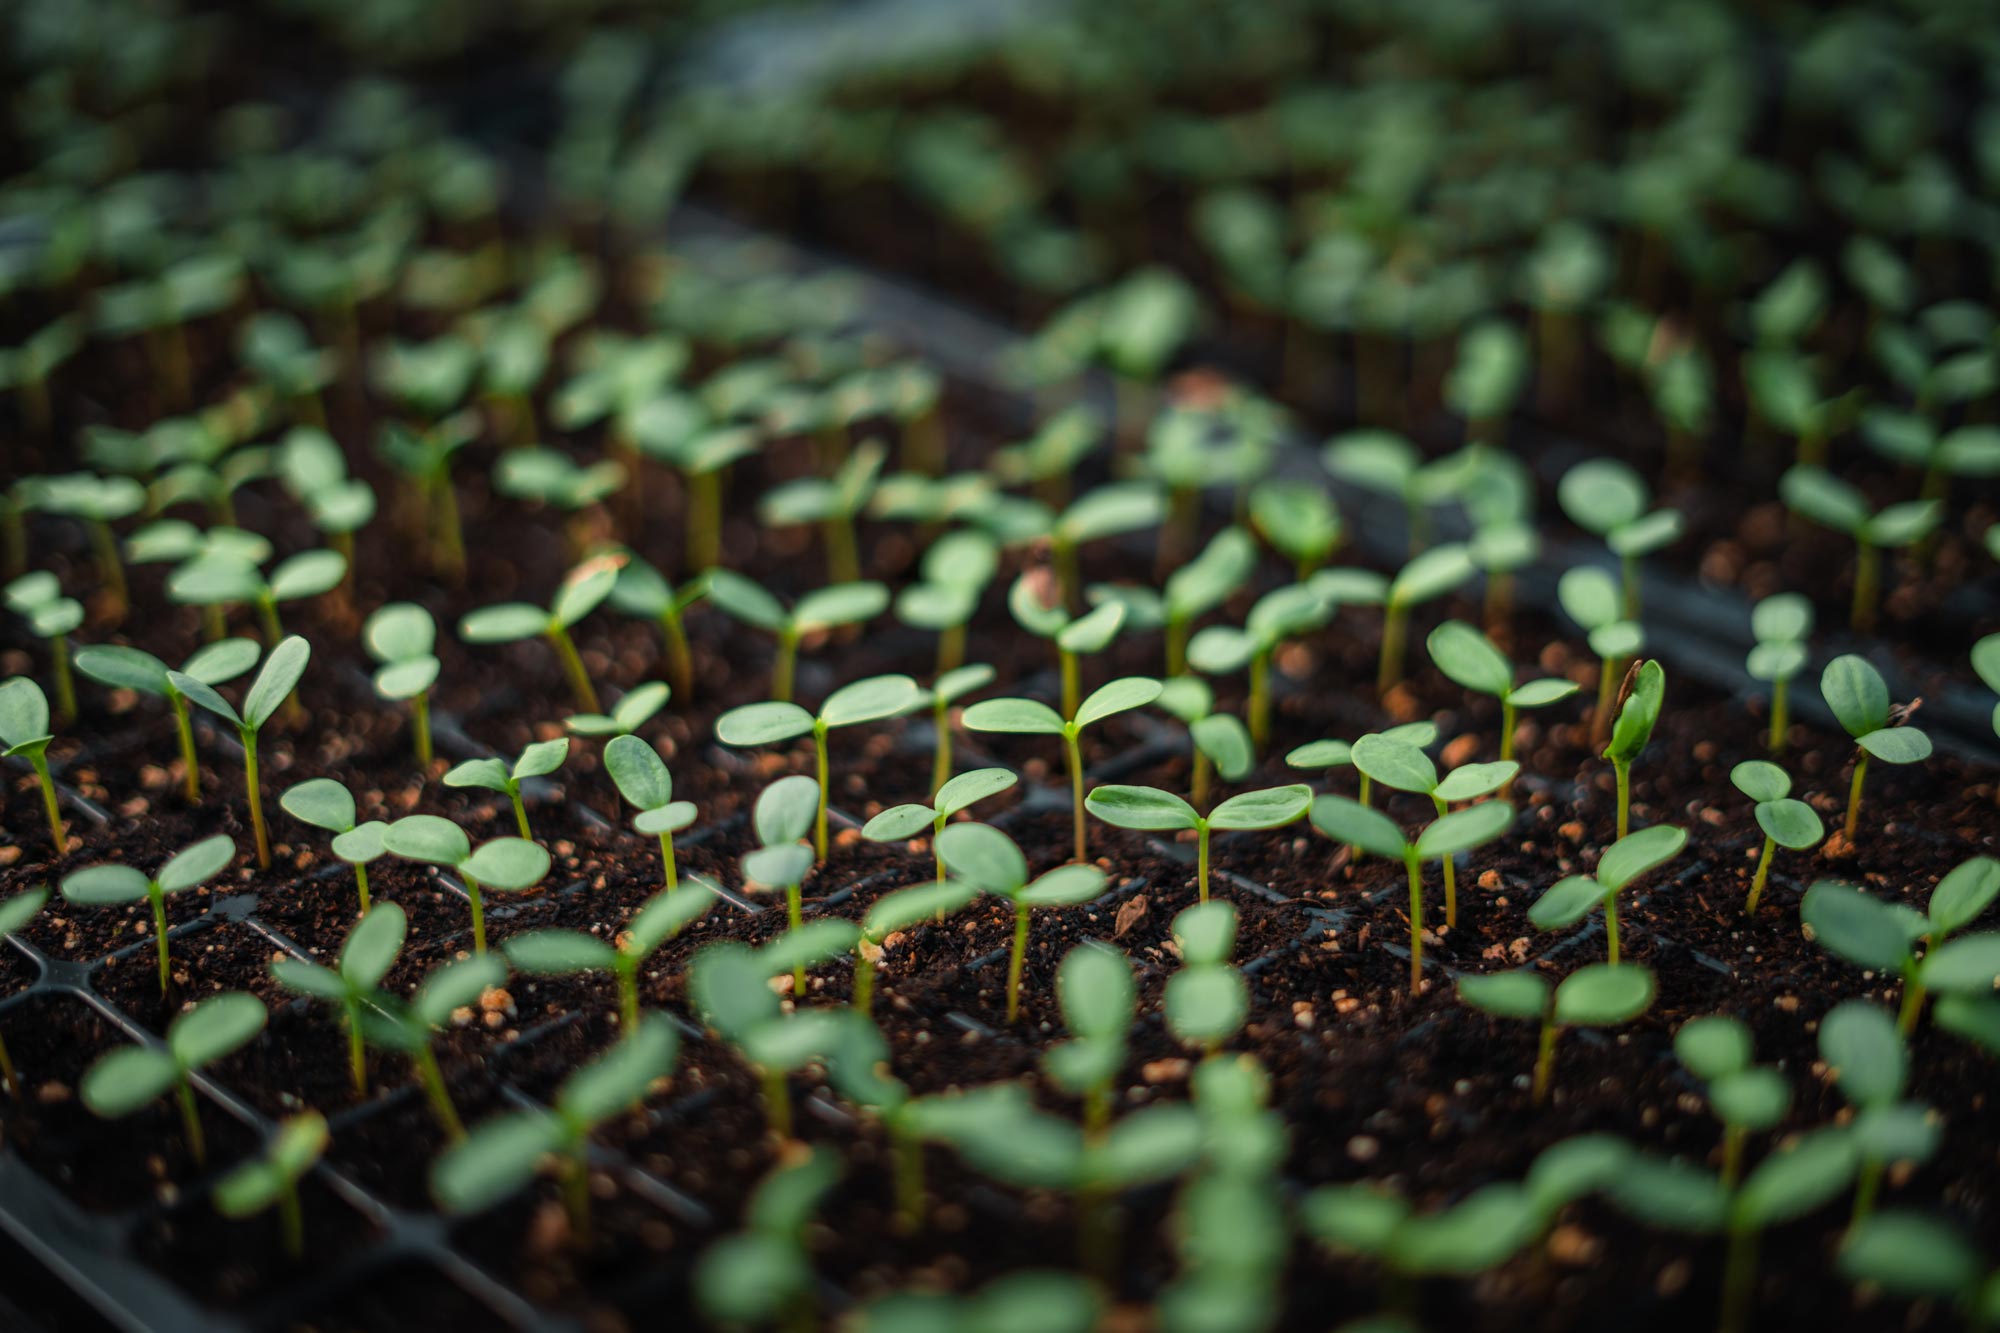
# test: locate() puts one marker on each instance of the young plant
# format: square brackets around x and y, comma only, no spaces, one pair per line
[582,590]
[1780,624]
[326,804]
[1098,999]
[901,822]
[511,865]
[815,613]
[1109,511]
[273,1180]
[945,691]
[15,913]
[537,760]
[641,590]
[1287,613]
[407,1026]
[1833,503]
[274,684]
[1606,498]
[1030,717]
[1299,522]
[24,730]
[1590,598]
[1404,767]
[644,781]
[402,638]
[1384,462]
[1472,661]
[38,599]
[354,982]
[1084,636]
[1372,831]
[226,579]
[1911,1255]
[784,812]
[729,984]
[1595,996]
[633,710]
[1219,742]
[550,478]
[1427,577]
[575,952]
[110,885]
[1194,589]
[1859,698]
[131,1078]
[1340,754]
[424,458]
[762,1276]
[1207,1000]
[1747,1098]
[1148,809]
[899,911]
[864,701]
[951,578]
[131,669]
[1859,1043]
[834,503]
[987,859]
[1786,822]
[1884,936]
[1571,899]
[1639,704]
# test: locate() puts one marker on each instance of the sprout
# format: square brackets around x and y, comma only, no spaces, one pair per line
[506,1152]
[1607,499]
[424,459]
[643,780]
[785,810]
[573,952]
[354,981]
[1029,717]
[511,865]
[1831,502]
[1471,660]
[1480,1231]
[641,590]
[1108,511]
[763,1275]
[583,589]
[326,804]
[1300,523]
[1590,598]
[98,502]
[1340,754]
[1385,462]
[988,859]
[1595,996]
[1277,616]
[224,578]
[1219,742]
[1051,457]
[1780,624]
[131,1078]
[1859,698]
[1095,990]
[945,691]
[537,760]
[1370,830]
[407,1026]
[730,985]
[38,599]
[1639,702]
[1908,1254]
[402,638]
[818,611]
[1746,1098]
[1861,1047]
[1427,577]
[952,576]
[897,911]
[549,477]
[1883,936]
[1147,808]
[869,700]
[1794,824]
[702,455]
[108,885]
[273,1180]
[15,913]
[900,822]
[631,712]
[24,730]
[1207,1000]
[275,681]
[1571,899]
[832,502]
[1090,633]
[1404,767]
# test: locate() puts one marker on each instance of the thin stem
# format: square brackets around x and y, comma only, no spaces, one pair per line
[1623,769]
[420,730]
[1072,686]
[1780,720]
[820,768]
[191,1121]
[1450,876]
[1865,1189]
[449,533]
[680,659]
[778,1104]
[1198,791]
[843,558]
[1017,961]
[1354,852]
[667,860]
[1913,1003]
[191,774]
[357,1054]
[576,1190]
[1733,1137]
[1600,717]
[1854,796]
[704,535]
[40,762]
[1076,789]
[951,648]
[941,728]
[579,679]
[110,567]
[1395,622]
[520,808]
[1757,880]
[781,670]
[1867,579]
[1739,1280]
[1416,873]
[864,983]
[65,682]
[267,618]
[627,972]
[438,1095]
[158,900]
[1545,1058]
[291,1220]
[1177,637]
[1068,593]
[1508,722]
[478,913]
[1611,927]
[1201,857]
[255,790]
[795,917]
[1260,698]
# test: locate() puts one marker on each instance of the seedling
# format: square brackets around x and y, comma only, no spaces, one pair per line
[870,700]
[132,1078]
[987,859]
[274,684]
[38,599]
[945,691]
[952,576]
[537,760]
[633,710]
[1833,503]
[1571,899]
[1607,499]
[326,804]
[98,502]
[1427,577]
[898,911]
[1479,1232]
[1340,754]
[424,458]
[1287,613]
[785,810]
[224,578]
[900,822]
[582,590]
[505,1153]
[1781,624]
[406,1026]
[575,952]
[730,985]
[1219,741]
[1097,996]
[273,1180]
[834,503]
[1385,462]
[1206,1001]
[1370,830]
[1786,822]
[1914,440]
[550,477]
[762,1276]
[641,590]
[1049,1301]
[353,982]
[1747,1098]
[402,638]
[1590,598]
[1108,511]
[1147,808]
[110,885]
[1404,767]
[1909,1254]
[1595,996]
[1471,660]
[1860,1045]
[815,613]
[643,780]
[15,913]
[1086,635]
[511,865]
[703,456]
[1029,717]
[24,729]
[1884,936]
[1859,698]
[1639,704]
[1299,522]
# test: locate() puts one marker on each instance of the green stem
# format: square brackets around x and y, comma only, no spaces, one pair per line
[1780,720]
[1854,796]
[579,679]
[627,972]
[1069,594]
[704,535]
[448,531]
[864,984]
[213,622]
[1913,1004]
[680,658]
[255,790]
[667,859]
[1600,718]
[1076,789]
[478,913]
[520,809]
[1757,880]
[1867,580]
[941,728]
[357,1054]
[1545,1058]
[1611,927]
[1733,1137]
[1865,1190]
[420,730]
[820,768]
[291,1220]
[1508,722]
[1395,623]
[1623,769]
[159,902]
[843,559]
[1199,784]
[191,775]
[1416,874]
[65,682]
[439,1096]
[267,618]
[110,567]
[951,648]
[1260,698]
[781,671]
[1201,857]
[1017,961]
[1354,852]
[1177,637]
[191,1121]
[778,1104]
[1072,687]
[795,917]
[576,1191]
[1739,1280]
[361,885]
[40,762]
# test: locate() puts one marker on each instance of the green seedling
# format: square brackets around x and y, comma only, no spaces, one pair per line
[871,700]
[98,502]
[815,613]
[762,1276]
[1590,598]
[1047,1301]
[641,590]
[1049,459]
[1219,742]
[951,579]
[582,590]
[1883,936]
[575,952]
[1747,1098]
[1372,831]
[1859,698]
[1781,624]
[424,458]
[407,1026]
[24,729]
[326,804]
[25,368]
[131,669]
[834,503]
[1607,499]
[225,579]
[1639,703]
[730,986]
[355,979]
[1910,438]
[1827,500]
[1571,899]
[38,599]
[895,912]
[644,781]
[500,1156]
[1785,822]
[1030,717]
[510,865]
[550,478]
[945,691]
[1207,1001]
[1191,449]
[1595,996]
[1152,810]
[1384,462]
[1287,613]
[272,1181]
[402,638]
[1299,522]
[1427,577]
[1472,661]
[1340,754]
[1487,379]
[1404,767]
[633,711]
[1108,511]
[784,812]
[132,1078]
[987,859]
[1478,1233]
[1085,635]
[110,885]
[901,822]
[274,684]
[1098,998]
[276,347]
[1986,665]
[1864,1052]
[1201,585]
[537,760]
[1911,1255]
[703,455]
[16,913]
